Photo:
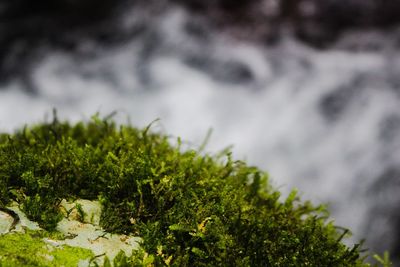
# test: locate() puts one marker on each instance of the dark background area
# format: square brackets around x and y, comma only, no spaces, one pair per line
[29,27]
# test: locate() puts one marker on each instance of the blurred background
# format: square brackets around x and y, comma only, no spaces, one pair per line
[308,90]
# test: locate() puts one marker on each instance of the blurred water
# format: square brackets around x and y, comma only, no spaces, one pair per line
[326,122]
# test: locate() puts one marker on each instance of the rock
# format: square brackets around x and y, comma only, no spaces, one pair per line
[6,221]
[82,229]
[24,222]
[89,210]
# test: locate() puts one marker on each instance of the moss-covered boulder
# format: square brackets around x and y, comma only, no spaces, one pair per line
[188,209]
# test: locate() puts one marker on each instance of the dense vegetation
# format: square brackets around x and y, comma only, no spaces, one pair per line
[190,209]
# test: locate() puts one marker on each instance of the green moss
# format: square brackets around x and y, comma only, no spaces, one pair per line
[190,210]
[29,249]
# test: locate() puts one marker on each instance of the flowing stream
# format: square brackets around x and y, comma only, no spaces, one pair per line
[324,121]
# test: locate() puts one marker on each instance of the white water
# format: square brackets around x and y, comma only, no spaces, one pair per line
[274,119]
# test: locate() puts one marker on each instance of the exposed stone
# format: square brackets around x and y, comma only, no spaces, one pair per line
[6,221]
[24,222]
[91,210]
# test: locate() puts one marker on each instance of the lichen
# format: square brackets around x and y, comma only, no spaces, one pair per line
[189,209]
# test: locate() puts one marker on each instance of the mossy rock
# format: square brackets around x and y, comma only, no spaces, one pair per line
[78,239]
[29,249]
[189,209]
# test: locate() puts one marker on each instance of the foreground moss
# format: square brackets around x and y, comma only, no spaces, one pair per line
[190,210]
[29,249]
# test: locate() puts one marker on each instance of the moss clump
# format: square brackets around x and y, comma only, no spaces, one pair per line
[28,249]
[190,210]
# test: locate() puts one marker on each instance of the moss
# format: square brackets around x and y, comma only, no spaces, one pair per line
[190,209]
[28,249]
